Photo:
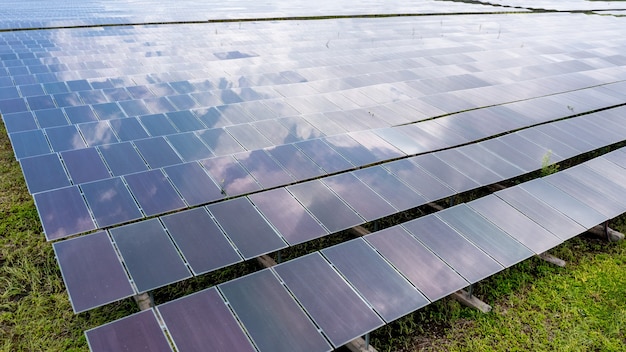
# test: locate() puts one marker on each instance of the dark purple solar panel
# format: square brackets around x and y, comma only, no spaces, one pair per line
[230,176]
[540,212]
[43,173]
[375,279]
[193,183]
[110,202]
[565,203]
[295,162]
[157,152]
[122,158]
[352,150]
[360,197]
[149,255]
[288,216]
[254,236]
[484,234]
[398,194]
[325,156]
[264,169]
[491,161]
[286,329]
[477,172]
[433,277]
[85,165]
[424,183]
[446,173]
[203,319]
[330,301]
[333,213]
[29,143]
[63,212]
[92,272]
[153,192]
[200,240]
[65,138]
[516,224]
[463,256]
[137,332]
[189,147]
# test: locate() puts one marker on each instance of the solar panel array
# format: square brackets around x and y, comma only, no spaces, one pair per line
[170,151]
[353,288]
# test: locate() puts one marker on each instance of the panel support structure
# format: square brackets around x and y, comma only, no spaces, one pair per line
[471,301]
[552,259]
[605,231]
[144,301]
[360,345]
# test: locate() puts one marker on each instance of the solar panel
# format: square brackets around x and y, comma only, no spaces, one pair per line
[203,319]
[367,203]
[352,150]
[417,178]
[252,237]
[288,216]
[390,188]
[153,192]
[295,162]
[189,147]
[200,240]
[43,173]
[475,171]
[110,202]
[193,183]
[324,156]
[29,143]
[520,227]
[85,165]
[433,277]
[463,256]
[230,176]
[137,243]
[568,205]
[264,169]
[123,335]
[377,281]
[157,152]
[63,138]
[287,328]
[546,216]
[329,209]
[97,133]
[122,158]
[332,304]
[63,213]
[92,272]
[488,237]
[449,175]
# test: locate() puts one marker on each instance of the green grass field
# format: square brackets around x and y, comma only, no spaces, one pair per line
[537,306]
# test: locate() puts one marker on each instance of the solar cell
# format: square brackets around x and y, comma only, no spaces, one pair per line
[295,162]
[85,165]
[157,125]
[512,155]
[153,192]
[43,173]
[252,237]
[359,197]
[92,272]
[288,216]
[63,212]
[433,277]
[137,332]
[110,202]
[377,281]
[424,183]
[522,228]
[193,183]
[324,156]
[201,242]
[51,118]
[19,122]
[230,176]
[149,255]
[189,147]
[220,142]
[157,152]
[332,304]
[546,216]
[563,202]
[122,158]
[599,182]
[446,173]
[476,171]
[249,137]
[329,209]
[463,256]
[390,188]
[264,169]
[287,328]
[203,319]
[29,143]
[352,150]
[488,237]
[128,129]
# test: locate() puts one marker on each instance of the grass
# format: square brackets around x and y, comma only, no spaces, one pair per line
[537,306]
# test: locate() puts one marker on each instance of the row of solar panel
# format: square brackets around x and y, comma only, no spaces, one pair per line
[256,170]
[39,14]
[355,287]
[305,211]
